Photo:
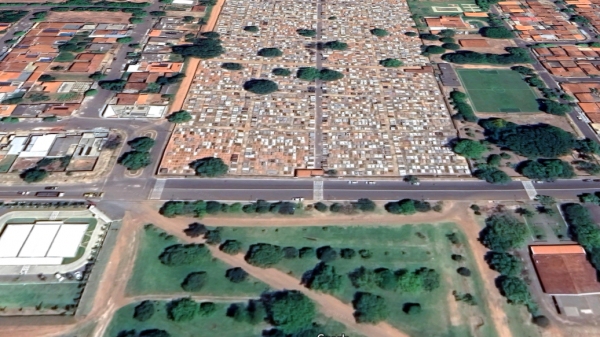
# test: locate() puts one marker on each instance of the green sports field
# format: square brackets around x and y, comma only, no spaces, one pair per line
[492,90]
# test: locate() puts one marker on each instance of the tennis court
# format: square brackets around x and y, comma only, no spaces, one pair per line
[492,90]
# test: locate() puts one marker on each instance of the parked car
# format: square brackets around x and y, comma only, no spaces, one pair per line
[51,187]
[93,194]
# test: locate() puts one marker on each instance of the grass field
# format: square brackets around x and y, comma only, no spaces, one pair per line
[407,246]
[44,295]
[152,277]
[217,324]
[498,90]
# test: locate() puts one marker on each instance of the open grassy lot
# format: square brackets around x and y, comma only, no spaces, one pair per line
[217,324]
[42,295]
[403,247]
[498,90]
[152,277]
[426,8]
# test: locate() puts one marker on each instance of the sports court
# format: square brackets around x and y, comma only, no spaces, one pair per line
[40,243]
[493,90]
[442,7]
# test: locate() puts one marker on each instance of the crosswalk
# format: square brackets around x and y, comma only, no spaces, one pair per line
[318,190]
[529,188]
[158,189]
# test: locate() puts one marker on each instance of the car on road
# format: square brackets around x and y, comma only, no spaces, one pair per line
[587,180]
[538,181]
[299,199]
[353,182]
[371,183]
[23,192]
[93,194]
[51,187]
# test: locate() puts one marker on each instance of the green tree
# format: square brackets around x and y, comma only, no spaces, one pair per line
[264,255]
[144,311]
[335,45]
[125,39]
[492,175]
[516,292]
[321,207]
[47,78]
[494,160]
[546,169]
[504,263]
[326,254]
[182,310]
[135,160]
[180,255]
[503,232]
[363,278]
[469,148]
[523,70]
[90,92]
[210,167]
[64,57]
[34,175]
[269,52]
[391,63]
[307,32]
[260,86]
[307,73]
[232,66]
[181,116]
[582,228]
[153,333]
[113,85]
[323,278]
[289,311]
[194,281]
[369,308]
[379,32]
[236,275]
[143,144]
[201,48]
[447,32]
[497,32]
[435,50]
[329,75]
[451,46]
[97,76]
[251,29]
[281,72]
[554,108]
[231,247]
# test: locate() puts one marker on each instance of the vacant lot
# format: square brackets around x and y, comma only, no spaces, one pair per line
[404,247]
[152,277]
[41,295]
[498,90]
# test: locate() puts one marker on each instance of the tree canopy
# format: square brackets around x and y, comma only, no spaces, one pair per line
[504,263]
[180,116]
[307,32]
[260,86]
[232,66]
[135,160]
[179,254]
[264,255]
[311,74]
[546,169]
[182,310]
[335,45]
[324,278]
[251,29]
[464,110]
[499,32]
[289,310]
[379,32]
[369,308]
[281,72]
[390,63]
[34,175]
[514,55]
[144,311]
[194,281]
[210,167]
[492,175]
[269,52]
[516,292]
[468,148]
[143,144]
[503,232]
[202,48]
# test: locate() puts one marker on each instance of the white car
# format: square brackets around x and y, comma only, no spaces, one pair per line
[353,182]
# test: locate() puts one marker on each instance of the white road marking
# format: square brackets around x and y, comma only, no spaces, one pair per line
[529,188]
[318,190]
[158,189]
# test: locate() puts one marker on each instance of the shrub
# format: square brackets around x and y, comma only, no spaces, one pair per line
[143,144]
[251,29]
[492,175]
[270,52]
[306,252]
[195,230]
[231,247]
[231,66]
[264,255]
[321,207]
[46,78]
[391,63]
[281,72]
[457,257]
[181,116]
[97,76]
[369,308]
[213,237]
[125,39]
[347,253]
[411,308]
[290,252]
[335,207]
[447,40]
[135,160]
[326,254]
[182,310]
[365,205]
[206,309]
[464,271]
[236,275]
[154,333]
[429,37]
[260,86]
[363,278]
[411,34]
[329,75]
[307,32]
[541,321]
[451,46]
[34,175]
[144,311]
[194,281]
[178,255]
[434,50]
[202,48]
[90,92]
[365,253]
[307,73]
[210,167]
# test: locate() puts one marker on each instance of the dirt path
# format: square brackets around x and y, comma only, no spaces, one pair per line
[495,301]
[214,16]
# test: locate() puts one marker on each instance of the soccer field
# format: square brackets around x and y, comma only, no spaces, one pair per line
[498,91]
